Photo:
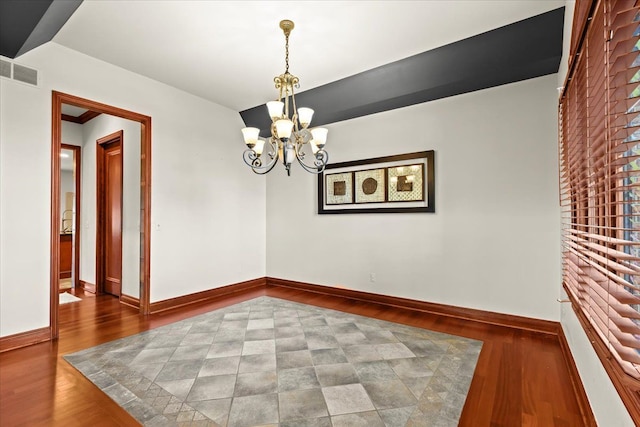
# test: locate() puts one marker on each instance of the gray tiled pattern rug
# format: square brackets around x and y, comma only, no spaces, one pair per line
[271,362]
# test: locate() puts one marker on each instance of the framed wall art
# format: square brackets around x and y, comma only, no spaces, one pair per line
[392,184]
[406,183]
[339,187]
[370,186]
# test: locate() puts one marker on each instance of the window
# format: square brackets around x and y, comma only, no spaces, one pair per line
[600,186]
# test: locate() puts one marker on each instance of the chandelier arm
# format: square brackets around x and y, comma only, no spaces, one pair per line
[286,103]
[254,161]
[265,171]
[251,158]
[319,163]
[294,116]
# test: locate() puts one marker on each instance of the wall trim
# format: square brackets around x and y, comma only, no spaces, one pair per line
[578,387]
[88,287]
[207,295]
[628,388]
[492,318]
[130,301]
[24,339]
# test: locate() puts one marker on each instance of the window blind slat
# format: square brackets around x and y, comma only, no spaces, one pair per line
[623,77]
[622,13]
[608,274]
[622,285]
[589,246]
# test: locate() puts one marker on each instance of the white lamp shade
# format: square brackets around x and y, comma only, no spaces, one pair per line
[259,146]
[275,109]
[284,127]
[319,137]
[250,136]
[304,116]
[314,147]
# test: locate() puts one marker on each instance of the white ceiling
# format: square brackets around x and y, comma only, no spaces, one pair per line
[229,51]
[72,110]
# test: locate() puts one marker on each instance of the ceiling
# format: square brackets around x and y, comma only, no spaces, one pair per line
[72,110]
[229,51]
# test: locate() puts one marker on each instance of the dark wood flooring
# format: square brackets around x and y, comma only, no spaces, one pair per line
[521,378]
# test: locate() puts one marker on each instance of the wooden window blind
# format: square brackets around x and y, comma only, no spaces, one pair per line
[581,12]
[600,187]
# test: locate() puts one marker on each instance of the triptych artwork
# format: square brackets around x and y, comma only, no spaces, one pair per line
[402,183]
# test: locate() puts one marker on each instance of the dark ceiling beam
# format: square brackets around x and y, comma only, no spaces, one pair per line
[27,24]
[519,51]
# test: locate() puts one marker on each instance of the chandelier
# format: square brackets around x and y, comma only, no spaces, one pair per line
[290,133]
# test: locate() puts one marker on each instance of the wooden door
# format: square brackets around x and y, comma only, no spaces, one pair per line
[109,250]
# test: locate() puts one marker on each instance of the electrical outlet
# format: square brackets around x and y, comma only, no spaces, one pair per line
[372,277]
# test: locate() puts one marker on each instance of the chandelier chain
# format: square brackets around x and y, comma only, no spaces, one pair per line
[286,56]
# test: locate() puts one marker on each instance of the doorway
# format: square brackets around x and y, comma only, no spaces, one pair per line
[109,214]
[58,99]
[70,173]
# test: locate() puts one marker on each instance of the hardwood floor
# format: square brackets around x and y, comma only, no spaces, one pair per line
[521,378]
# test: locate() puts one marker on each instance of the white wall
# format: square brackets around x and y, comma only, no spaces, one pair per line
[606,404]
[604,399]
[72,133]
[93,130]
[492,243]
[207,210]
[25,157]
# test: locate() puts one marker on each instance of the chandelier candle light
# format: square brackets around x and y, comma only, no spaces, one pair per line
[290,131]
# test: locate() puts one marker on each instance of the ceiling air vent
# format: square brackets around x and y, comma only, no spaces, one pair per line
[5,68]
[25,75]
[18,72]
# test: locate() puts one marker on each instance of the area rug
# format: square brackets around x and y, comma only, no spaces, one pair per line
[66,298]
[272,362]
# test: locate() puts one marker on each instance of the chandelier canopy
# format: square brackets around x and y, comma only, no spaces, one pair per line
[291,138]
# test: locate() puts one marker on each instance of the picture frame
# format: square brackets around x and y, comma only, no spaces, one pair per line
[403,183]
[339,188]
[370,185]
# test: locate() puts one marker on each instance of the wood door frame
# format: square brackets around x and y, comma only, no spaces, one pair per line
[57,99]
[77,176]
[101,202]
